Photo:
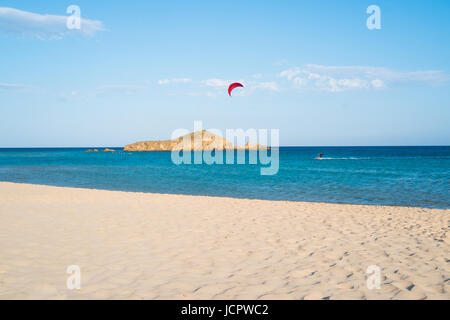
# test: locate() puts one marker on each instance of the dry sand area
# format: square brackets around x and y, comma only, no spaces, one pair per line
[152,246]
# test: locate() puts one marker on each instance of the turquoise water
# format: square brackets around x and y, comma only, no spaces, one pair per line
[406,176]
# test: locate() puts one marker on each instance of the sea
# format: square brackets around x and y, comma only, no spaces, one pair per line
[393,176]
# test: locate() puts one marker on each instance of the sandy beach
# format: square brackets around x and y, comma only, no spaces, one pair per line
[153,246]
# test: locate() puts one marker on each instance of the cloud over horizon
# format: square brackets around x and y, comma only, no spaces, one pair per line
[338,79]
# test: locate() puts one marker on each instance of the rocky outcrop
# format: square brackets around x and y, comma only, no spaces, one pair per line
[90,150]
[108,150]
[196,141]
[252,146]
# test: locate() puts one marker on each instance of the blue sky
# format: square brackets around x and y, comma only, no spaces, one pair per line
[138,70]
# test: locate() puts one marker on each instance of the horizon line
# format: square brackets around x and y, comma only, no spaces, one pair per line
[286,146]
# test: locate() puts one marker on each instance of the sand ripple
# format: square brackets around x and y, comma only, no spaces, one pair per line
[149,246]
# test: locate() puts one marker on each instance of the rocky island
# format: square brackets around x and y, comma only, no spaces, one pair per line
[96,150]
[196,141]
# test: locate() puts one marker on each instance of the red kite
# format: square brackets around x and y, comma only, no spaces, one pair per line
[234,86]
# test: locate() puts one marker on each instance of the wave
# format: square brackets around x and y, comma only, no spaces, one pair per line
[347,158]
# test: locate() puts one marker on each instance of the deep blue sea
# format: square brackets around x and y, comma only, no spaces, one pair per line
[404,176]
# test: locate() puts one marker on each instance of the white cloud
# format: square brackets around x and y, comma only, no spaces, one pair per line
[218,83]
[10,86]
[174,80]
[386,74]
[70,96]
[219,87]
[290,73]
[431,76]
[313,76]
[120,89]
[353,83]
[206,94]
[270,86]
[195,94]
[163,81]
[377,83]
[300,82]
[337,79]
[42,26]
[280,63]
[103,91]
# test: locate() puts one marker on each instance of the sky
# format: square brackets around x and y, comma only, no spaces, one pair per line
[139,70]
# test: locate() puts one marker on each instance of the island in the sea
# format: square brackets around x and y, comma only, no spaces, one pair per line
[196,141]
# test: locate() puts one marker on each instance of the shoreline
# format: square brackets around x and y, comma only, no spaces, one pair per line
[223,197]
[132,245]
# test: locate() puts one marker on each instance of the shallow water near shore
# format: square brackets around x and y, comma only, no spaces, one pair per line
[400,176]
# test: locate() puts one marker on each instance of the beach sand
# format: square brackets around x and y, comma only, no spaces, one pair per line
[153,246]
